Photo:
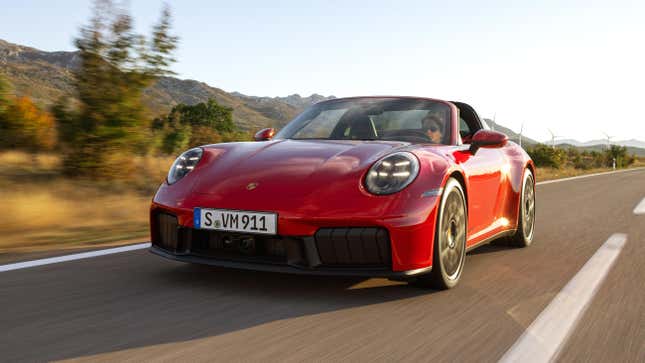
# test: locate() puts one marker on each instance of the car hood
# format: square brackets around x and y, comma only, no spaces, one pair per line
[287,167]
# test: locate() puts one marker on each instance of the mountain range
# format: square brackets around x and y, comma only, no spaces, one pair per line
[576,143]
[47,76]
[633,146]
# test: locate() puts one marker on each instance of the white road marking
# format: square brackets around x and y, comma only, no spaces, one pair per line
[546,336]
[76,256]
[587,176]
[640,208]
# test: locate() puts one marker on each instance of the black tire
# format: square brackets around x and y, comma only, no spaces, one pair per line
[523,237]
[449,250]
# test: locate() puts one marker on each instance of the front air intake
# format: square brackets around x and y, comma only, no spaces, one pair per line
[166,233]
[355,246]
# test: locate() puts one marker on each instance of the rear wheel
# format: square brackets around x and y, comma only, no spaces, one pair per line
[449,251]
[526,217]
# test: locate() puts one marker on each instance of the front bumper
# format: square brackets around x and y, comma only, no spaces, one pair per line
[341,251]
[409,217]
[292,269]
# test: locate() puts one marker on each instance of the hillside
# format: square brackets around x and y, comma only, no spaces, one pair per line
[47,76]
[512,135]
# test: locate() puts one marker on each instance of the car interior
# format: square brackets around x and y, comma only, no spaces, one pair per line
[359,125]
[405,125]
[469,122]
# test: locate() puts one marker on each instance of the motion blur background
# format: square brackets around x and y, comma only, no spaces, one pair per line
[95,105]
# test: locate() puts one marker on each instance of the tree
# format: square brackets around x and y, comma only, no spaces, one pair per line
[210,114]
[544,155]
[116,66]
[26,127]
[619,154]
[193,125]
[175,136]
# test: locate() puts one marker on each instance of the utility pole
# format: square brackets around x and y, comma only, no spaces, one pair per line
[521,129]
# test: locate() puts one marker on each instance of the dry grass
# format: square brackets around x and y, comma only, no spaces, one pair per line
[640,162]
[66,213]
[44,211]
[551,173]
[21,162]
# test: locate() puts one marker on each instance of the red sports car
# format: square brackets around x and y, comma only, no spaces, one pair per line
[398,187]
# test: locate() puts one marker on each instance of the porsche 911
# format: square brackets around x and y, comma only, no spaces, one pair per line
[395,187]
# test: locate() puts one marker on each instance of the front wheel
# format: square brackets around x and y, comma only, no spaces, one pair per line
[449,251]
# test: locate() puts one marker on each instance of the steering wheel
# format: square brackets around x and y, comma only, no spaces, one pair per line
[411,133]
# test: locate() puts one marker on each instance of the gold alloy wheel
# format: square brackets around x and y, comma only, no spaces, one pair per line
[452,237]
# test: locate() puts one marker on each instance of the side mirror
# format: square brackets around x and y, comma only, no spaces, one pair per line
[264,134]
[487,138]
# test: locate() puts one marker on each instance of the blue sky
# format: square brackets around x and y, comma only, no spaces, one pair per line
[575,67]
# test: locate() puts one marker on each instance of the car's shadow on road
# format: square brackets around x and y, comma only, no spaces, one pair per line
[491,248]
[209,301]
[247,291]
[288,286]
[159,302]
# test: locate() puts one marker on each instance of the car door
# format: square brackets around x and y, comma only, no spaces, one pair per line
[484,173]
[485,178]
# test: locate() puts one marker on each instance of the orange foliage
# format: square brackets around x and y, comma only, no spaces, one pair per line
[27,127]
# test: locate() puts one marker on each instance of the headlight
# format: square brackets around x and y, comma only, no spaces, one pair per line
[392,173]
[184,164]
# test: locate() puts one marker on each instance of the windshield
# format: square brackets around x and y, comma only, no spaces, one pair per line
[401,119]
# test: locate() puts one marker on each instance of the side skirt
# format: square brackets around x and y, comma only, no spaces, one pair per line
[497,235]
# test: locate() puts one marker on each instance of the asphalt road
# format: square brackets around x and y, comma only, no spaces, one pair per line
[135,306]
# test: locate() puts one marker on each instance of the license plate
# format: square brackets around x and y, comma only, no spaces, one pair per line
[235,221]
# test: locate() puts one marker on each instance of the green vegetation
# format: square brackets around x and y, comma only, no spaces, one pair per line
[557,158]
[105,124]
[189,126]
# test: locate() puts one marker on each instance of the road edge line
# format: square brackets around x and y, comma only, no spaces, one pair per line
[544,339]
[72,257]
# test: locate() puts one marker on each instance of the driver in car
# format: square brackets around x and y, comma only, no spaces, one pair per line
[432,126]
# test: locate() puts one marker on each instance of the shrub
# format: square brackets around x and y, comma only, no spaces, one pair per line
[546,156]
[619,154]
[188,126]
[24,126]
